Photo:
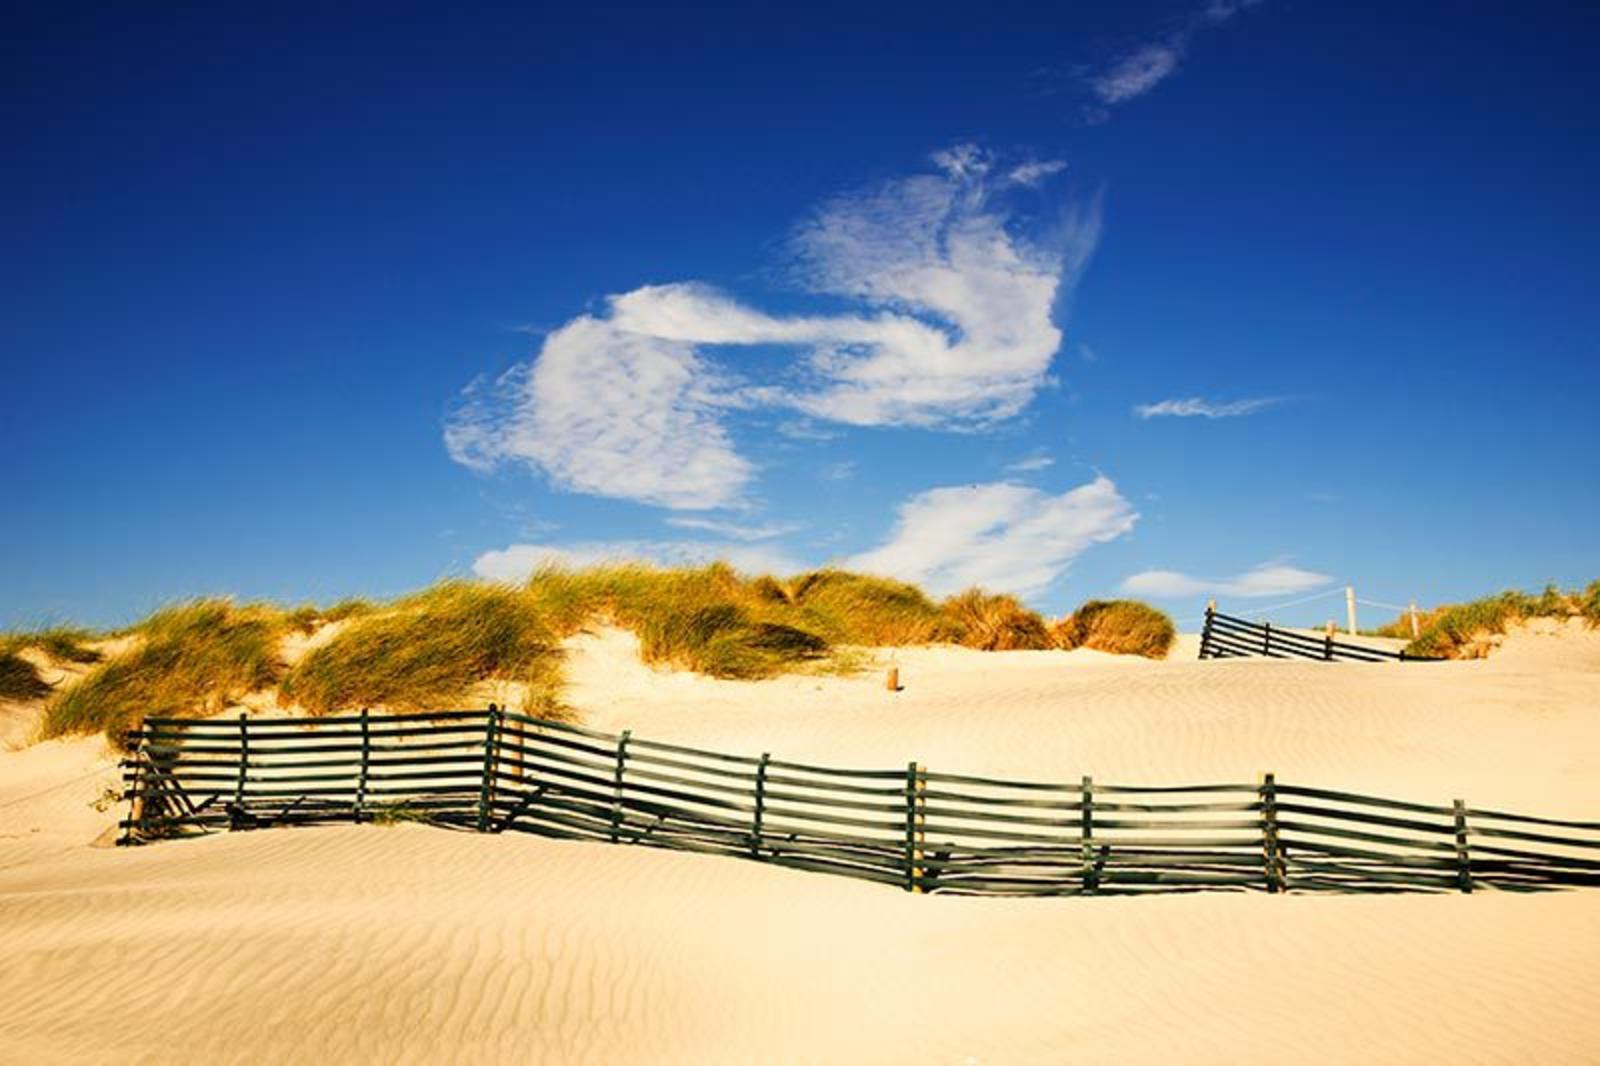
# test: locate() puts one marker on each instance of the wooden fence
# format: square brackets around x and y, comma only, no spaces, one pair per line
[1227,637]
[925,831]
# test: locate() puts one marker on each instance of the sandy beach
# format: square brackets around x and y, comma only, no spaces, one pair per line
[410,943]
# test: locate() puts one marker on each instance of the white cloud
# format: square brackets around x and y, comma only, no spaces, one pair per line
[1138,72]
[952,329]
[734,529]
[610,413]
[1001,536]
[1147,65]
[843,470]
[1267,579]
[1030,464]
[517,561]
[1196,407]
[1034,172]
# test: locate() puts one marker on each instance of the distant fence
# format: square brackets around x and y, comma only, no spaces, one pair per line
[491,771]
[1227,637]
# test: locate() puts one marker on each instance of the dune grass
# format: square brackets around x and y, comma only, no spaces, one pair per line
[429,650]
[192,660]
[20,679]
[992,622]
[426,652]
[1460,630]
[1121,627]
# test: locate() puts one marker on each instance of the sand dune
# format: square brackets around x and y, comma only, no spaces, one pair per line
[411,943]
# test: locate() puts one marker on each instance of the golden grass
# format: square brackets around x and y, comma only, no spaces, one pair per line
[431,649]
[1121,627]
[193,660]
[427,651]
[1461,630]
[994,623]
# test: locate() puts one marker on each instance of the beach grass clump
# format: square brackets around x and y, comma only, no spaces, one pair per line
[992,622]
[428,650]
[861,609]
[1465,630]
[708,619]
[308,617]
[1120,627]
[19,678]
[192,660]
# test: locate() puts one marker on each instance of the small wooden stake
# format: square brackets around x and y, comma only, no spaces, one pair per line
[892,682]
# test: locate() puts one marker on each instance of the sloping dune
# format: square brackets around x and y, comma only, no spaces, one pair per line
[411,943]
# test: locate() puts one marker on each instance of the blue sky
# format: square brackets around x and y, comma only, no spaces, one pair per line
[1245,300]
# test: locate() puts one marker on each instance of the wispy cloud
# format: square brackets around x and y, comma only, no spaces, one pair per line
[843,470]
[1267,579]
[952,329]
[1035,172]
[610,413]
[517,561]
[734,529]
[1001,536]
[1146,65]
[1030,464]
[1196,407]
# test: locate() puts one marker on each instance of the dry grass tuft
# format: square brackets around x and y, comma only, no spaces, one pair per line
[20,679]
[1121,627]
[994,623]
[194,659]
[864,610]
[1464,630]
[426,652]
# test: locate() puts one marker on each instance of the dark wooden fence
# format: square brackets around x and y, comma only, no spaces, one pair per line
[491,771]
[1226,637]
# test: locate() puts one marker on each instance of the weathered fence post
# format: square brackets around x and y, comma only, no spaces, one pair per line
[761,804]
[244,762]
[616,786]
[136,807]
[491,746]
[1091,881]
[366,762]
[1205,630]
[1270,847]
[1327,644]
[1266,639]
[915,821]
[1463,859]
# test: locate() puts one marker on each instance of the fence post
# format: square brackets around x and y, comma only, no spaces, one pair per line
[1205,631]
[366,760]
[1463,859]
[136,805]
[244,762]
[491,744]
[1091,881]
[1270,848]
[1266,639]
[915,821]
[616,786]
[1327,644]
[761,804]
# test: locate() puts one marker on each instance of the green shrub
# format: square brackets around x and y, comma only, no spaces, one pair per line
[1121,627]
[192,660]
